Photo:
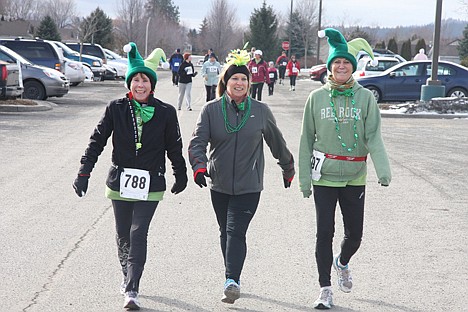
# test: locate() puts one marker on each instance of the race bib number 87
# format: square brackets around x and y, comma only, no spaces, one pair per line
[317,162]
[134,184]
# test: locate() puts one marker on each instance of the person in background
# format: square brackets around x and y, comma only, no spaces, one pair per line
[235,127]
[259,70]
[144,130]
[174,62]
[293,67]
[186,73]
[340,127]
[208,54]
[421,56]
[273,75]
[251,53]
[282,62]
[210,72]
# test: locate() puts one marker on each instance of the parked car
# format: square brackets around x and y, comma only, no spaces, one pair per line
[380,52]
[38,51]
[11,85]
[319,73]
[110,73]
[112,56]
[88,74]
[403,81]
[74,71]
[366,67]
[39,82]
[93,62]
[90,49]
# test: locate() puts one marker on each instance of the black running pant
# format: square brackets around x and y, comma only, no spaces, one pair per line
[210,92]
[282,71]
[351,200]
[271,87]
[234,213]
[175,78]
[292,80]
[256,91]
[132,221]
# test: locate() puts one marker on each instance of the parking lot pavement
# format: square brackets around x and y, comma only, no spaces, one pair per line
[58,250]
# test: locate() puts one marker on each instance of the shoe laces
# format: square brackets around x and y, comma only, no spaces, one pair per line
[132,294]
[325,294]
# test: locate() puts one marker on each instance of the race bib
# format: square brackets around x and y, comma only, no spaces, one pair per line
[272,75]
[176,64]
[213,69]
[189,70]
[254,70]
[285,63]
[134,184]
[317,162]
[294,70]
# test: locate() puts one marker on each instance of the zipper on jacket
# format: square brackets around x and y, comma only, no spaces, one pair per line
[234,160]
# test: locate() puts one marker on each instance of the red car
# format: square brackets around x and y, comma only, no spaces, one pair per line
[319,73]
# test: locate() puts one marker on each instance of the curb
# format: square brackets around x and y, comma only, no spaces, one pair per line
[423,116]
[40,107]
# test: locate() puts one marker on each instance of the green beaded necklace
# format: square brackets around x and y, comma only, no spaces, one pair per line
[230,128]
[337,122]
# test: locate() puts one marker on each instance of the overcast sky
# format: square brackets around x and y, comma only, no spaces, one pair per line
[335,12]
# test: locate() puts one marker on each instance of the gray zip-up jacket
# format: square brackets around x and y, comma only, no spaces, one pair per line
[236,160]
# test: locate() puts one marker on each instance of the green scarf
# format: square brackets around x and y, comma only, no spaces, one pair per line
[146,112]
[337,89]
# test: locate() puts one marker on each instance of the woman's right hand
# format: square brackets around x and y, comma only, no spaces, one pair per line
[80,185]
[200,179]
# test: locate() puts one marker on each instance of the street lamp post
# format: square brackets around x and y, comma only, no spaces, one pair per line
[433,87]
[146,36]
[319,27]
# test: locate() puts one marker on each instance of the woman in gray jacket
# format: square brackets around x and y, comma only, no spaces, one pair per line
[210,71]
[235,127]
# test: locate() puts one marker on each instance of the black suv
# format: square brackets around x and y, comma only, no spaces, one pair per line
[90,49]
[38,51]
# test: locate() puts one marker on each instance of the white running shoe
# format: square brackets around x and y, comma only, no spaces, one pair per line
[231,291]
[123,285]
[131,301]
[325,299]
[345,280]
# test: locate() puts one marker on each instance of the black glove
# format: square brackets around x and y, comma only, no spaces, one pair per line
[81,184]
[180,184]
[195,74]
[200,179]
[287,182]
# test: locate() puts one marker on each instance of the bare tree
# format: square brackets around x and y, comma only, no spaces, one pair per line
[130,22]
[308,13]
[21,9]
[61,11]
[222,34]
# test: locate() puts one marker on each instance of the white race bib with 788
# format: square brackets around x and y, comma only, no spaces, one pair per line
[134,184]
[317,162]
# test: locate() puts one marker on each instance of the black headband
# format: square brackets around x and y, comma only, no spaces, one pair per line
[234,69]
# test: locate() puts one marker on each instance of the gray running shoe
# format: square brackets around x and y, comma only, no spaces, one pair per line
[345,280]
[231,291]
[123,285]
[325,299]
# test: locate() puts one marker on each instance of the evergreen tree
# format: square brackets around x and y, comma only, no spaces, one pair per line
[48,30]
[263,31]
[193,40]
[97,28]
[165,8]
[463,45]
[293,34]
[421,44]
[380,45]
[359,33]
[392,45]
[405,51]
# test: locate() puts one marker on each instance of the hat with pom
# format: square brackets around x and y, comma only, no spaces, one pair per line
[136,65]
[340,48]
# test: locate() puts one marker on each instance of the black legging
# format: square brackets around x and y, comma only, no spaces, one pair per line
[234,213]
[282,71]
[292,80]
[256,91]
[132,221]
[351,200]
[271,87]
[175,78]
[210,92]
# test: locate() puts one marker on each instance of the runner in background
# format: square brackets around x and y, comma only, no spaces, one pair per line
[175,61]
[210,72]
[293,67]
[259,71]
[282,62]
[273,74]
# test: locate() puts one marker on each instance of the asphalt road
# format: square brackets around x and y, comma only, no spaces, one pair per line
[58,251]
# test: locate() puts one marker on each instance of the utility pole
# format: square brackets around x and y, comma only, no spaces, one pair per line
[318,28]
[290,30]
[146,36]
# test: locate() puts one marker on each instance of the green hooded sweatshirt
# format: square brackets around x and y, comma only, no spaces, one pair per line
[319,133]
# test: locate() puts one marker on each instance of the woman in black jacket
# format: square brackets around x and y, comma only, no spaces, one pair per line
[143,130]
[186,73]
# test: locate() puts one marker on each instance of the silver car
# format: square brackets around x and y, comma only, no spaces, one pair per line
[39,82]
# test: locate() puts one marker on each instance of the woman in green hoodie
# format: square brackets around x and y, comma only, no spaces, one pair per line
[340,127]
